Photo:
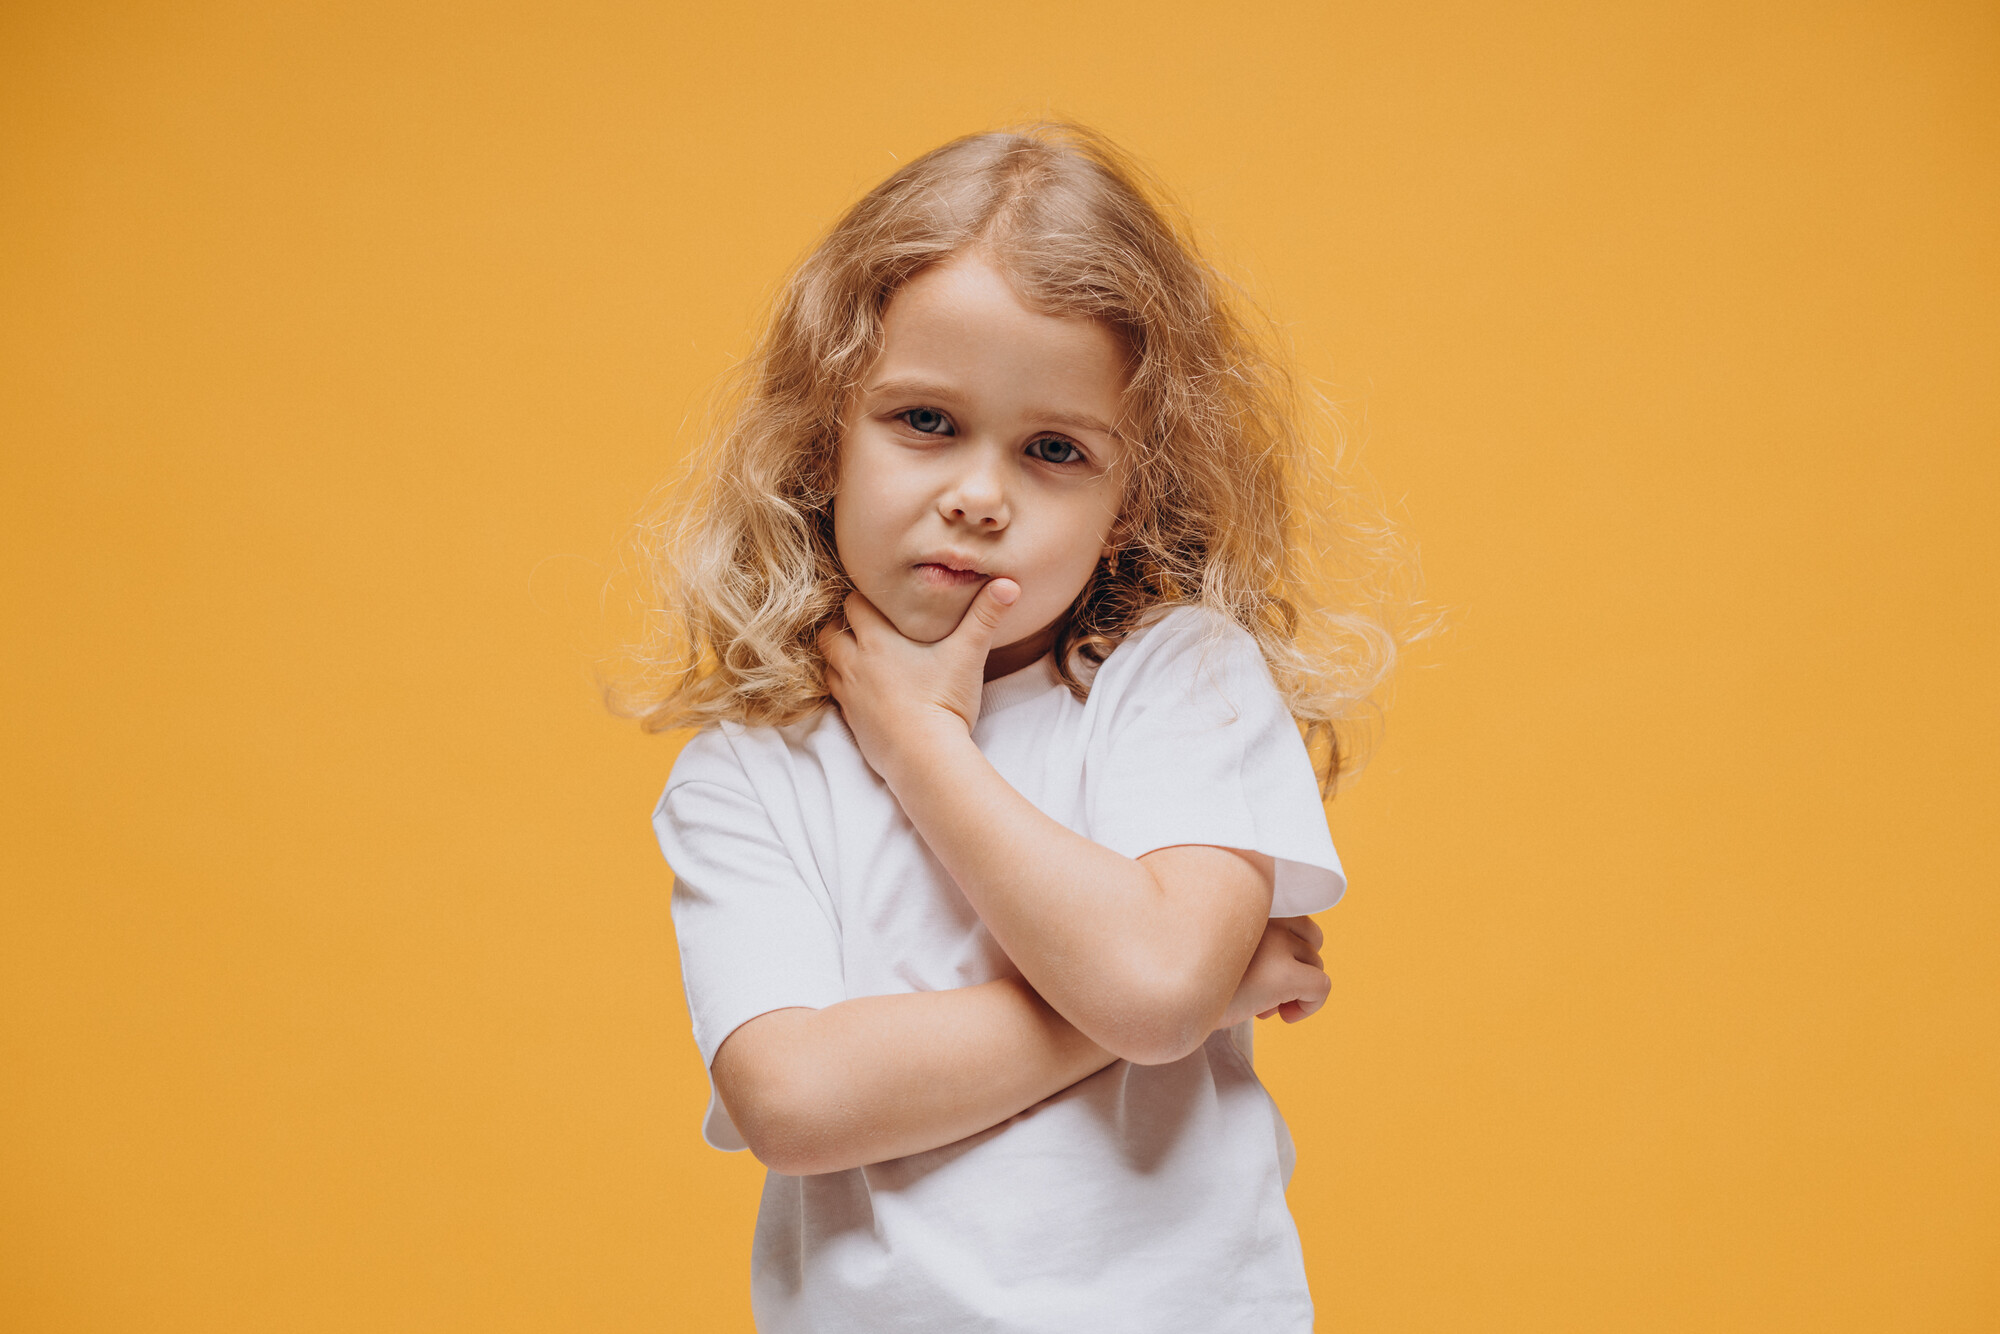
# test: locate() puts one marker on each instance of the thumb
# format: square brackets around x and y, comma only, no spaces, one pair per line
[989,604]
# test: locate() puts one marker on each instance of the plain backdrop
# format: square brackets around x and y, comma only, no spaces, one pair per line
[341,344]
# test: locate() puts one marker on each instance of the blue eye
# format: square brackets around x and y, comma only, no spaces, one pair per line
[927,421]
[1049,449]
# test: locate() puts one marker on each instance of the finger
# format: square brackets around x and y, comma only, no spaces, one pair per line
[1316,994]
[835,647]
[862,615]
[1306,929]
[982,618]
[1303,1008]
[1266,1014]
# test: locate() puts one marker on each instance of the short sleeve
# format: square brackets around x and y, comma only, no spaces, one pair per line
[1193,744]
[755,933]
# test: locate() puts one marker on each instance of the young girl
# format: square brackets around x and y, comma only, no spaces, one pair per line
[1001,824]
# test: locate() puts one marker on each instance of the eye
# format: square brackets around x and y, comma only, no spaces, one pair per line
[927,421]
[1054,449]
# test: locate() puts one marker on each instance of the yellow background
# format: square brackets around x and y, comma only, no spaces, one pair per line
[342,342]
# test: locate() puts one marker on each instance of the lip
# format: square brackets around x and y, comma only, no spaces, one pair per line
[950,571]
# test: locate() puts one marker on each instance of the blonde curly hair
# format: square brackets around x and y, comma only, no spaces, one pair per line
[742,557]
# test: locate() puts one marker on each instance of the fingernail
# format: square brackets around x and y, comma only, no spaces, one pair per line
[1005,591]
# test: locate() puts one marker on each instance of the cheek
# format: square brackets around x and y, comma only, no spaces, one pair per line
[844,528]
[857,515]
[870,519]
[1089,533]
[1071,558]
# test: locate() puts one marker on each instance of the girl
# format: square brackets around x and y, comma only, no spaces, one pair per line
[971,953]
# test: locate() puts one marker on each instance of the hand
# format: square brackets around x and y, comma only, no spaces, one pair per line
[899,696]
[1285,977]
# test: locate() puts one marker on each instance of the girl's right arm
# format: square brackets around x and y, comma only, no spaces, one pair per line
[879,1077]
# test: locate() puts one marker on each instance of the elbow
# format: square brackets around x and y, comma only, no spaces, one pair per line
[775,1142]
[777,1098]
[788,1131]
[791,1158]
[791,1150]
[1156,1044]
[1155,997]
[1154,1026]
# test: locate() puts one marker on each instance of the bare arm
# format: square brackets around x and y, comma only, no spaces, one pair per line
[1143,956]
[879,1077]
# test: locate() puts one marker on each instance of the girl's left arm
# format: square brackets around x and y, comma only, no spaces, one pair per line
[1141,955]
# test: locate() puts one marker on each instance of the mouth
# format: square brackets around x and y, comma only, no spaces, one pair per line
[949,573]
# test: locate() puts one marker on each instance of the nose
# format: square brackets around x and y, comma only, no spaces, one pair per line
[977,493]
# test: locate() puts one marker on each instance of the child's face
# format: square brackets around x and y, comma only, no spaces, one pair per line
[980,444]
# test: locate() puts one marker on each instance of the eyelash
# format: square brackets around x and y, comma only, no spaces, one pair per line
[906,414]
[1056,440]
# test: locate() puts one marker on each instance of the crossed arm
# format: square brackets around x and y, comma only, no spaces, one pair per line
[1121,958]
[878,1077]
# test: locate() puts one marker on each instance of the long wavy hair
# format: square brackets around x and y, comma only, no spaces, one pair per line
[741,558]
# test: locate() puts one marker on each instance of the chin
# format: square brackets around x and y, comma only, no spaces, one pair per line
[926,626]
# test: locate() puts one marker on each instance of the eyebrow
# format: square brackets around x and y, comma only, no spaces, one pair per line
[915,388]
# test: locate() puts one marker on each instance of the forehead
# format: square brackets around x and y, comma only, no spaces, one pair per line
[962,325]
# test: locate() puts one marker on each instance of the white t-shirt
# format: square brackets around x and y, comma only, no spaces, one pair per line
[1143,1198]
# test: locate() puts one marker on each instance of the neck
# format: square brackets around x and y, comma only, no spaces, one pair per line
[1011,658]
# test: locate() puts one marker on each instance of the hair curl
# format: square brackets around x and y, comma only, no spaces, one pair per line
[742,558]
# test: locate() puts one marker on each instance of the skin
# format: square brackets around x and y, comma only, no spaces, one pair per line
[981,445]
[981,472]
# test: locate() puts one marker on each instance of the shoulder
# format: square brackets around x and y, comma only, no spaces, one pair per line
[1188,647]
[733,783]
[743,759]
[712,756]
